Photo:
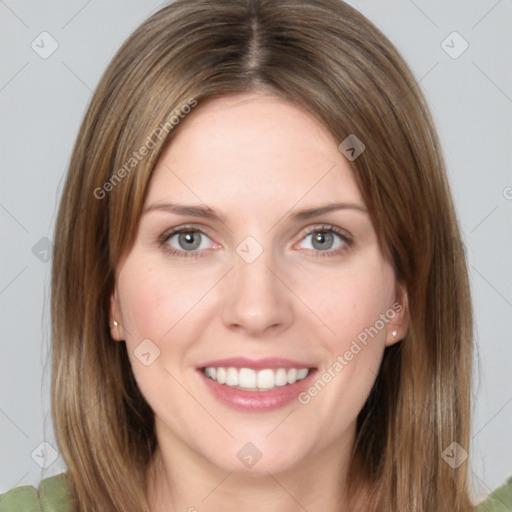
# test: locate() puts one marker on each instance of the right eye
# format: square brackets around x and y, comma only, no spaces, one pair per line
[185,241]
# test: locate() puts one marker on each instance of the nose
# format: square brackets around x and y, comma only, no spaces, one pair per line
[256,298]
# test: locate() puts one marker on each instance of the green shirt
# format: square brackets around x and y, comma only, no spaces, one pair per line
[51,496]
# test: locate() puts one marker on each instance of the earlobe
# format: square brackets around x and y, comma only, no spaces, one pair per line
[399,319]
[116,328]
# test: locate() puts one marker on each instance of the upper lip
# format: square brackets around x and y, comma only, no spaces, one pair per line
[255,364]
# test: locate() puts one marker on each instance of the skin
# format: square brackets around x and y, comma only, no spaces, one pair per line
[237,155]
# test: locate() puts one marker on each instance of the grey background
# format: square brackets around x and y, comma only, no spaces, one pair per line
[42,102]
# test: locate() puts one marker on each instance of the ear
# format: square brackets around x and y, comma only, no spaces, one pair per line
[115,316]
[398,315]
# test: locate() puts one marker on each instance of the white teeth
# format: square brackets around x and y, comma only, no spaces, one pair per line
[231,377]
[292,375]
[221,375]
[265,379]
[303,372]
[247,378]
[282,377]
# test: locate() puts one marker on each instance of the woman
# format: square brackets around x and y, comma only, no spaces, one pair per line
[260,297]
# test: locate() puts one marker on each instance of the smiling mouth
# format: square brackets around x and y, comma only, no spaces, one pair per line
[248,379]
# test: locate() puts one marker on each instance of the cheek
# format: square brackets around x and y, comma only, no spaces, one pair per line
[350,300]
[352,303]
[154,299]
[157,303]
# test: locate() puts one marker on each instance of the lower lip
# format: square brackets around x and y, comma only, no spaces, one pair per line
[257,400]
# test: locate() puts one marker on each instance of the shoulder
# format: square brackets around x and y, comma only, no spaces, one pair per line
[51,496]
[498,501]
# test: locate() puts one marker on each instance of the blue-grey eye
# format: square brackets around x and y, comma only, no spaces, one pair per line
[191,240]
[188,241]
[324,240]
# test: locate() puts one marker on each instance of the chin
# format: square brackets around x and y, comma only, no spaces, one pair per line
[260,457]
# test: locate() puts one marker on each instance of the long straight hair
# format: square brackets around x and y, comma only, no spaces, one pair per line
[324,57]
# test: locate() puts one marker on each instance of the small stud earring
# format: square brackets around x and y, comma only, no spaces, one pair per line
[115,323]
[394,333]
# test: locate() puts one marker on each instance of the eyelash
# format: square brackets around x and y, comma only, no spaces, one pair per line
[165,237]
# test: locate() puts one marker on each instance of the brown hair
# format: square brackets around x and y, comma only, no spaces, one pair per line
[326,58]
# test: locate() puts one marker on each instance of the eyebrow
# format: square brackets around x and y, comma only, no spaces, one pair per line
[208,213]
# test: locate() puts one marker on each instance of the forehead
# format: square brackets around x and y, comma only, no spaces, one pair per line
[252,149]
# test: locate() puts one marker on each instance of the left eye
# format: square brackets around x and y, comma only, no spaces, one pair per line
[325,239]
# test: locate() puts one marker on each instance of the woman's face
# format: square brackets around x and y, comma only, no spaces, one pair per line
[259,287]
